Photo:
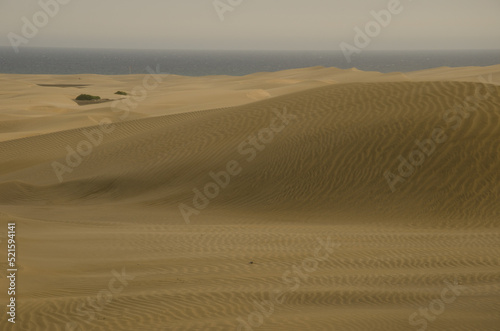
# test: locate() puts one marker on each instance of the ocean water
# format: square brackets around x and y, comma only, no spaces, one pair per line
[59,61]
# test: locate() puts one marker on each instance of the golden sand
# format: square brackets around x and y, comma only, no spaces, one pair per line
[307,199]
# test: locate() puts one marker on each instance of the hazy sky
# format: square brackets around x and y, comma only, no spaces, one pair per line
[255,24]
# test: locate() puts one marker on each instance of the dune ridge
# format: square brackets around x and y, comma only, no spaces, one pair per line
[335,151]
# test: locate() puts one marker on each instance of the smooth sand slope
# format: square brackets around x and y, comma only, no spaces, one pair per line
[309,157]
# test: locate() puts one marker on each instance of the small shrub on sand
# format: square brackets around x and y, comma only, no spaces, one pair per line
[121,93]
[87,97]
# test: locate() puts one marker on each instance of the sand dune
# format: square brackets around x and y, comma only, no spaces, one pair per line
[398,171]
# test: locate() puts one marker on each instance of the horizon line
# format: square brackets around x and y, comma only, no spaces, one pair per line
[250,49]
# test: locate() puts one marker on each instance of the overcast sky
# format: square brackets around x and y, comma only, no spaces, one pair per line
[256,24]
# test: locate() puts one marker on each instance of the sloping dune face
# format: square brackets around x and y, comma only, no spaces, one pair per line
[412,150]
[359,206]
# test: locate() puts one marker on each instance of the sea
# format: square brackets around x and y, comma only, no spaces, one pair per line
[65,61]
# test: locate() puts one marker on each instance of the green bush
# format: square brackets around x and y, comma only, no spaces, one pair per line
[87,97]
[121,93]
